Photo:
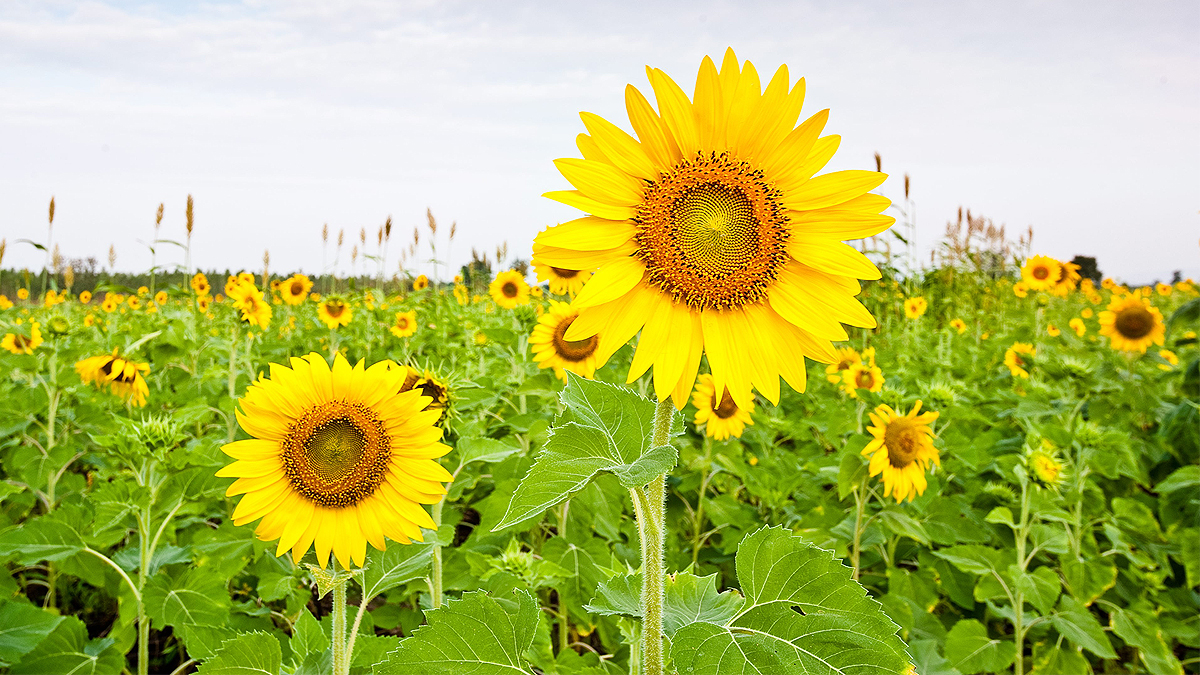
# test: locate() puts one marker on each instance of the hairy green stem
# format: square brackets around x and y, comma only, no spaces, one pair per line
[341,658]
[860,507]
[435,574]
[232,421]
[650,502]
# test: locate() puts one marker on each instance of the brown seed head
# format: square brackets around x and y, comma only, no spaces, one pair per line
[362,235]
[387,228]
[325,233]
[112,256]
[432,222]
[453,229]
[878,162]
[341,236]
[158,216]
[416,236]
[69,277]
[52,210]
[190,220]
[906,186]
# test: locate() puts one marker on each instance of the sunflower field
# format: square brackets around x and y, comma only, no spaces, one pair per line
[990,464]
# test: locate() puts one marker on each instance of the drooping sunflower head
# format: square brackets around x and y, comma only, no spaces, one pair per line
[334,312]
[862,376]
[338,458]
[1068,279]
[720,416]
[1041,273]
[21,342]
[509,289]
[295,289]
[562,281]
[118,375]
[1016,358]
[902,449]
[711,234]
[420,283]
[406,323]
[846,357]
[914,308]
[551,349]
[1132,324]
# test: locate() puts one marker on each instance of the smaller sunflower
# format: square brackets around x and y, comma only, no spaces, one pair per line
[509,289]
[847,357]
[561,281]
[120,376]
[334,312]
[1086,312]
[1068,279]
[1052,330]
[1163,289]
[200,284]
[1041,273]
[914,308]
[111,302]
[462,295]
[203,302]
[430,386]
[406,324]
[1021,289]
[5,303]
[295,289]
[143,290]
[255,310]
[1132,324]
[1016,364]
[959,325]
[721,417]
[901,450]
[420,283]
[22,293]
[85,297]
[1076,324]
[134,302]
[551,349]
[862,376]
[1045,466]
[19,343]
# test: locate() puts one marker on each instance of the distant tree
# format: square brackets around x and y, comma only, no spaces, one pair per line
[1087,267]
[1176,276]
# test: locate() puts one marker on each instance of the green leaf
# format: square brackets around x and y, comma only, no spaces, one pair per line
[687,598]
[203,642]
[22,627]
[247,654]
[902,524]
[802,613]
[42,539]
[609,431]
[479,449]
[1141,630]
[1055,661]
[583,564]
[928,661]
[1041,587]
[195,597]
[1186,477]
[397,565]
[970,650]
[1078,625]
[1089,579]
[476,634]
[307,637]
[1001,515]
[67,650]
[971,558]
[850,473]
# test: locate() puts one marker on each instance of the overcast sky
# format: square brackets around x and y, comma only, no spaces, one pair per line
[1080,119]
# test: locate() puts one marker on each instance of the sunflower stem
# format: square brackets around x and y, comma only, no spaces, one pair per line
[232,421]
[341,658]
[435,574]
[650,502]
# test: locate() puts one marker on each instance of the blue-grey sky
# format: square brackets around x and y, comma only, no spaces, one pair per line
[1081,119]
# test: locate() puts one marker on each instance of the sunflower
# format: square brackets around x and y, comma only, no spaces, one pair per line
[1045,466]
[200,284]
[19,343]
[1012,358]
[295,289]
[111,302]
[89,320]
[862,376]
[85,297]
[1076,324]
[143,290]
[421,283]
[959,325]
[1086,312]
[22,293]
[710,234]
[430,386]
[846,357]
[255,310]
[134,302]
[334,312]
[914,308]
[1132,324]
[509,289]
[721,417]
[406,323]
[561,281]
[1068,279]
[1052,330]
[462,295]
[901,450]
[1020,289]
[5,303]
[552,350]
[203,302]
[339,458]
[120,376]
[1041,273]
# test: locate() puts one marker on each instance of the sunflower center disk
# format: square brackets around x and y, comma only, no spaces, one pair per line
[573,350]
[901,439]
[336,454]
[864,380]
[712,233]
[565,274]
[727,408]
[509,290]
[1134,322]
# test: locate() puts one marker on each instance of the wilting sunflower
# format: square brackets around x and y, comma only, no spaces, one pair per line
[552,350]
[1078,326]
[120,376]
[339,457]
[200,284]
[1132,324]
[509,289]
[561,281]
[862,376]
[710,234]
[846,357]
[255,310]
[334,312]
[21,343]
[1041,273]
[85,297]
[406,323]
[1012,358]
[959,325]
[295,289]
[721,417]
[420,283]
[901,450]
[1068,279]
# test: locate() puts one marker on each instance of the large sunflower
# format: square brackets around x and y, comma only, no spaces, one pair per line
[711,234]
[561,281]
[721,417]
[901,450]
[295,289]
[509,289]
[552,350]
[1041,273]
[120,376]
[339,457]
[1132,324]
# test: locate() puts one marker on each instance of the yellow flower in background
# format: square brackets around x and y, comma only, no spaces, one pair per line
[122,377]
[552,350]
[295,289]
[1170,357]
[481,339]
[406,324]
[1132,324]
[134,302]
[22,293]
[1068,279]
[5,303]
[862,376]
[561,281]
[1041,273]
[160,298]
[334,312]
[200,284]
[1020,289]
[711,236]
[536,291]
[1086,312]
[430,386]
[462,295]
[203,302]
[1078,326]
[914,308]
[1045,466]
[846,357]
[420,283]
[110,303]
[21,343]
[89,320]
[720,416]
[1052,330]
[1163,289]
[339,458]
[85,297]
[255,310]
[902,449]
[509,289]
[52,298]
[959,325]
[1016,364]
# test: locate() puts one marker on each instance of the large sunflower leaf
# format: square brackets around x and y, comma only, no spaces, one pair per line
[970,650]
[247,654]
[476,634]
[22,627]
[803,613]
[67,649]
[604,428]
[687,599]
[396,565]
[195,597]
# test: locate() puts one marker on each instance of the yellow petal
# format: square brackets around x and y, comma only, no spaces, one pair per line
[592,206]
[571,259]
[588,148]
[832,257]
[708,106]
[621,149]
[833,188]
[251,448]
[610,282]
[602,182]
[676,111]
[658,144]
[779,164]
[587,234]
